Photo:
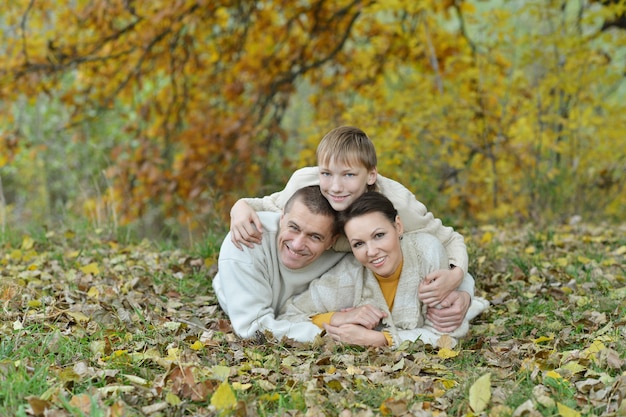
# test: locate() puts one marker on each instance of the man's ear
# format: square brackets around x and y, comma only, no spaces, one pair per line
[333,240]
[372,176]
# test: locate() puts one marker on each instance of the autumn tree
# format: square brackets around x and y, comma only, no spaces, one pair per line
[485,109]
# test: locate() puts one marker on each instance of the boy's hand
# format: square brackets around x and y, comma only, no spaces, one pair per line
[245,225]
[438,285]
[449,315]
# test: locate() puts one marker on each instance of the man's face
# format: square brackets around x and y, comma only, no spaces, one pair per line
[303,236]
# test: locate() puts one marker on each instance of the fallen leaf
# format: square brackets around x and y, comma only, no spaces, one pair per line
[480,393]
[91,268]
[565,411]
[224,398]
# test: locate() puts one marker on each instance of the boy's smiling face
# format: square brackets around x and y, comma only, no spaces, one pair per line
[342,183]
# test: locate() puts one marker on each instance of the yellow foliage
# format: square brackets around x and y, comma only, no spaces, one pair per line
[498,117]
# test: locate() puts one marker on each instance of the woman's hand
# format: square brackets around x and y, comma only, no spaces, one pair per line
[245,225]
[367,316]
[438,285]
[356,335]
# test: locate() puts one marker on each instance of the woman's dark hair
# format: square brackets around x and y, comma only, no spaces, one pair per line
[370,202]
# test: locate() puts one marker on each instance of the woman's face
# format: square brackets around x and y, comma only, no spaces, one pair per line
[375,242]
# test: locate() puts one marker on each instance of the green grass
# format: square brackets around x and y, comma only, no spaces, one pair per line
[150,313]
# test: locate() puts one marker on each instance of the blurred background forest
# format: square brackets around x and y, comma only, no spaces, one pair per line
[155,116]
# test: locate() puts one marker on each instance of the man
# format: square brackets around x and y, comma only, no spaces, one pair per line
[253,284]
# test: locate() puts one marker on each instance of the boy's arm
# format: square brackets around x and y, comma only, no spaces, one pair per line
[275,202]
[245,226]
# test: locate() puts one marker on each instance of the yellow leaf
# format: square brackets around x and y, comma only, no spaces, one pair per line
[172,399]
[34,304]
[562,262]
[77,316]
[353,370]
[136,379]
[241,387]
[446,353]
[553,375]
[487,237]
[91,268]
[197,345]
[221,372]
[530,250]
[574,367]
[27,243]
[596,347]
[270,397]
[93,292]
[448,383]
[480,393]
[565,411]
[224,398]
[173,354]
[542,339]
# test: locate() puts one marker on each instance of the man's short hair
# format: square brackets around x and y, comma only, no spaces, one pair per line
[313,200]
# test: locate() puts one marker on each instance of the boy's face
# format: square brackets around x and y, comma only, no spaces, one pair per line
[303,236]
[341,183]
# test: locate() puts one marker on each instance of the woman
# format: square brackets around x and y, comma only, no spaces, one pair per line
[371,298]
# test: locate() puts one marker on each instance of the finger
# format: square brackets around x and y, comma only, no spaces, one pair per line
[251,234]
[454,323]
[235,241]
[257,224]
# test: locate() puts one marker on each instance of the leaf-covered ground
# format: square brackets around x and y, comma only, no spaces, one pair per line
[91,326]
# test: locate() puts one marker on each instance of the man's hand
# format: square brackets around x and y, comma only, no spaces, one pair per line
[450,313]
[245,225]
[356,335]
[367,316]
[438,285]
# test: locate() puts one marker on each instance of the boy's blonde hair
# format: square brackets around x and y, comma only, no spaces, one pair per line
[348,145]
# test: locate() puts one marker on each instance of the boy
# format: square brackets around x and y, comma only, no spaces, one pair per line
[346,169]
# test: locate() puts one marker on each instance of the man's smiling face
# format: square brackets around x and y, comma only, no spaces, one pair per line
[303,236]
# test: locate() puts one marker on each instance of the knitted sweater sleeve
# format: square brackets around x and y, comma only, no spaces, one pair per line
[340,287]
[276,201]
